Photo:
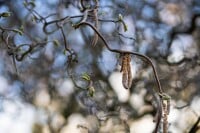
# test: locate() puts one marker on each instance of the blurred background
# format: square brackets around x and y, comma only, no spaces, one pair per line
[40,94]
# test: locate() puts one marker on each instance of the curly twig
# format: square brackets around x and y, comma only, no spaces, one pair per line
[125,52]
[137,54]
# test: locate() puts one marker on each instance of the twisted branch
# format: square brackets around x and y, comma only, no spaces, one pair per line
[159,104]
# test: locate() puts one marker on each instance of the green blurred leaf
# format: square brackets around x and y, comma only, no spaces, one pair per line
[85,76]
[165,96]
[21,28]
[5,14]
[32,3]
[18,31]
[125,26]
[25,3]
[56,42]
[91,91]
[64,52]
[34,18]
[120,18]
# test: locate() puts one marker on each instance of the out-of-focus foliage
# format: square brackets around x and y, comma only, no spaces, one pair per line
[41,92]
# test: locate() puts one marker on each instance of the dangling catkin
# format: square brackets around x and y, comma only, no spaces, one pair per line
[126,71]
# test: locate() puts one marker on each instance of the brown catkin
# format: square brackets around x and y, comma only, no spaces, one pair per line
[126,71]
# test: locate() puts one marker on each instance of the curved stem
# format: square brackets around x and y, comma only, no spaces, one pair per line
[159,104]
[125,52]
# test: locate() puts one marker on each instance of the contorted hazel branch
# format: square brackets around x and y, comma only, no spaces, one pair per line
[122,52]
[126,70]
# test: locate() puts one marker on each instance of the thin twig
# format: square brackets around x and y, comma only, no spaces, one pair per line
[65,40]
